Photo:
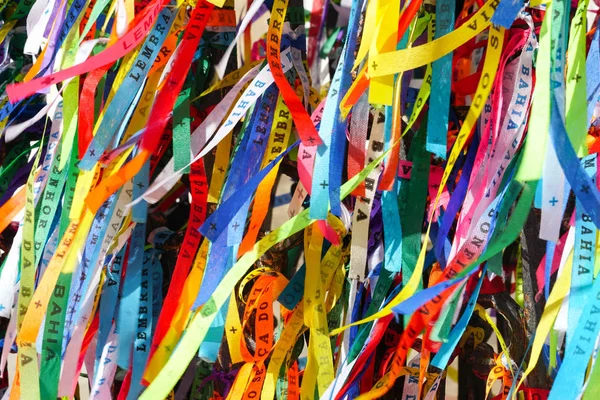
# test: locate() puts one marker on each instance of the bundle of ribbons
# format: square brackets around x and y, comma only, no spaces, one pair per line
[281,200]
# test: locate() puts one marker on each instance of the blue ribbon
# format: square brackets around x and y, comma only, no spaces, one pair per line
[108,303]
[456,201]
[217,222]
[439,100]
[506,13]
[583,257]
[130,296]
[132,84]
